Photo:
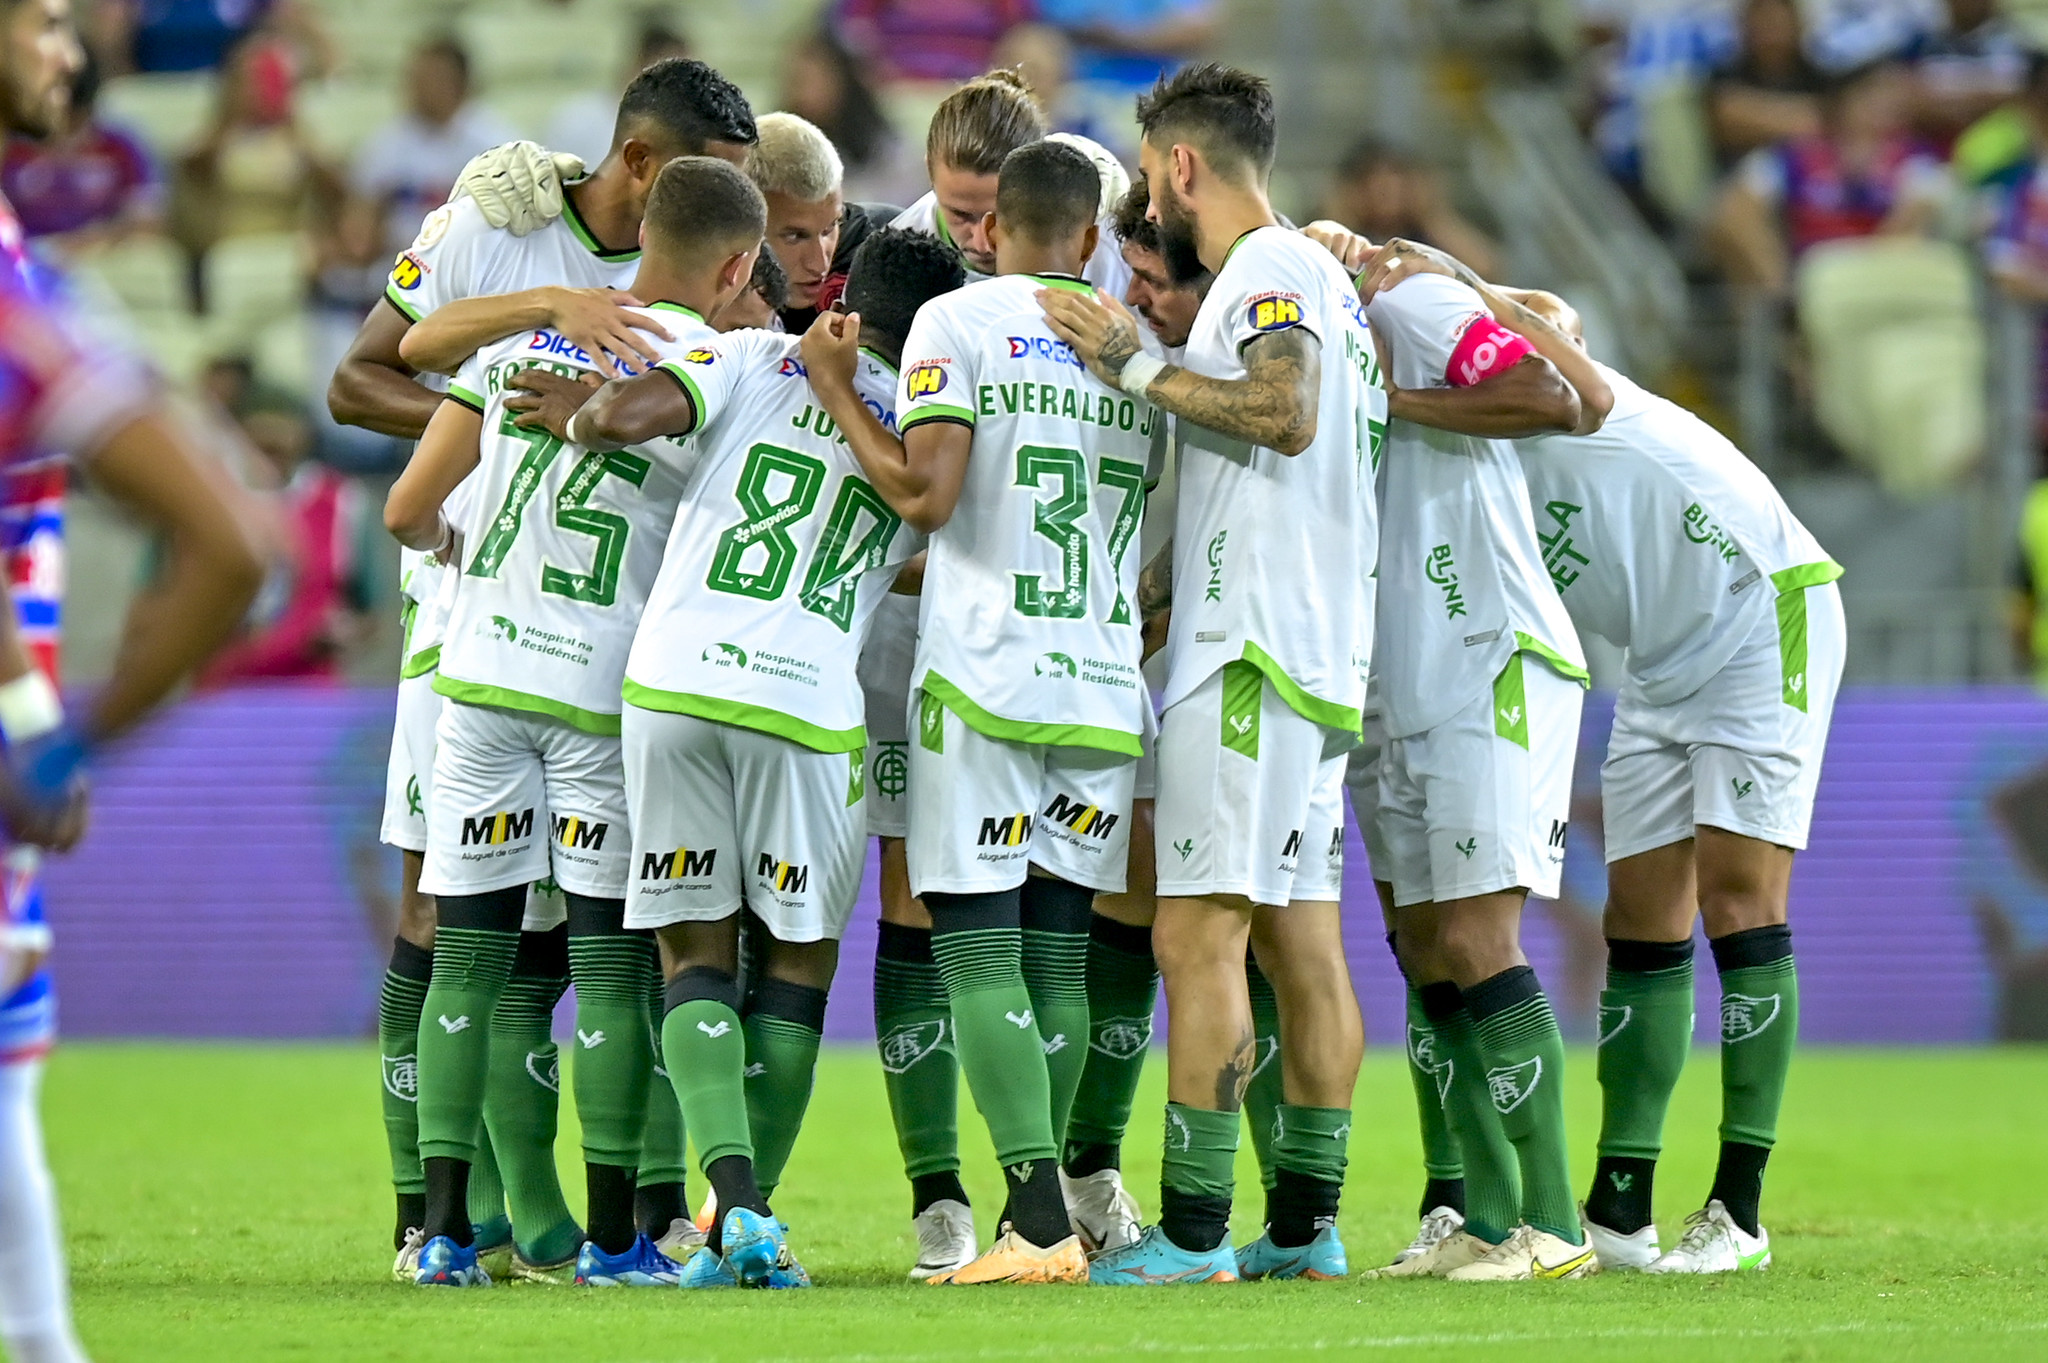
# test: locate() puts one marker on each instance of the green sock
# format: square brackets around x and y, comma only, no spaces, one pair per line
[614,1048]
[1000,1049]
[1645,1034]
[471,965]
[664,1147]
[1197,1176]
[1123,989]
[914,1033]
[1054,960]
[1440,1158]
[398,1037]
[522,1096]
[486,1191]
[1759,1028]
[784,1024]
[1263,1095]
[1493,1177]
[1314,1141]
[705,1047]
[1524,1056]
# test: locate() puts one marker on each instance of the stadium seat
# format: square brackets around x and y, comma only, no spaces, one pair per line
[169,112]
[530,106]
[511,46]
[284,355]
[251,280]
[176,342]
[339,114]
[1898,357]
[1678,155]
[147,274]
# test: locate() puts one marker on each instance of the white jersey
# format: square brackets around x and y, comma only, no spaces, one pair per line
[1462,582]
[779,556]
[458,255]
[1105,269]
[562,544]
[1028,629]
[1664,540]
[1273,554]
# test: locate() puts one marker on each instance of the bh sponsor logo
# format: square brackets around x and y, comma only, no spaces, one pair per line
[925,380]
[1274,312]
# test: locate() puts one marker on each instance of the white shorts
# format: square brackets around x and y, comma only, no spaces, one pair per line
[1251,795]
[1743,752]
[1480,803]
[1362,780]
[520,798]
[885,666]
[982,810]
[409,776]
[724,815]
[1145,784]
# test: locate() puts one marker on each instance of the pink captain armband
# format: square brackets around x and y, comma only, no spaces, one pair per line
[1487,348]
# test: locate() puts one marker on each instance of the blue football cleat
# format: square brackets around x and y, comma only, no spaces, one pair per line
[639,1265]
[1153,1260]
[705,1269]
[443,1263]
[753,1245]
[787,1272]
[1320,1260]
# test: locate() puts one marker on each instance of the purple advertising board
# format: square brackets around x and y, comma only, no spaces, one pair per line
[233,884]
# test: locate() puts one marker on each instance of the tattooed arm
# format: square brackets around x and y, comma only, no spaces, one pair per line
[1155,599]
[1273,405]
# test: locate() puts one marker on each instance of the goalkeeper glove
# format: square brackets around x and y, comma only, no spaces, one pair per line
[518,186]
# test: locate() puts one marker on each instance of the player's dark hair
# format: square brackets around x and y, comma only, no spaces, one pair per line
[982,122]
[770,281]
[703,206]
[1127,217]
[446,48]
[1224,111]
[1047,191]
[688,101]
[894,273]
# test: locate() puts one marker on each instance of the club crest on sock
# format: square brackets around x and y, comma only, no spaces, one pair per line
[1121,1038]
[906,1046]
[1613,1019]
[545,1069]
[402,1077]
[1510,1085]
[1743,1017]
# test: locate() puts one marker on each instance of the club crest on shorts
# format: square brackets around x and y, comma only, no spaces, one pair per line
[1612,1020]
[402,1077]
[906,1046]
[545,1069]
[1510,1085]
[1121,1038]
[1743,1017]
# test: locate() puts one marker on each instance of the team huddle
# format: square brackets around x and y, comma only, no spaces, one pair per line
[750,524]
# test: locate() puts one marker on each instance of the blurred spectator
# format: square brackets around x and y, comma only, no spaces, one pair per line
[1638,48]
[1129,44]
[254,171]
[408,166]
[1862,175]
[2016,235]
[1769,92]
[197,35]
[90,183]
[823,82]
[1382,193]
[314,608]
[348,280]
[938,40]
[1966,68]
[1046,59]
[1845,34]
[582,125]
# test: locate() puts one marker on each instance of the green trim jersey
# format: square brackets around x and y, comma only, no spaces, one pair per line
[563,544]
[779,556]
[1664,540]
[1273,554]
[458,255]
[1106,269]
[1462,582]
[1028,629]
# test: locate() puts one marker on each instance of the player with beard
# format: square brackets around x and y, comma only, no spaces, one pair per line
[1278,416]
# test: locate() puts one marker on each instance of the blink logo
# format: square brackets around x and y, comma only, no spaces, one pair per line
[1214,590]
[493,830]
[1439,568]
[680,864]
[1087,820]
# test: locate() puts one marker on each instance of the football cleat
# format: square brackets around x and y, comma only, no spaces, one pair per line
[1713,1243]
[1438,1225]
[1620,1253]
[681,1239]
[494,1250]
[1013,1259]
[945,1238]
[1453,1252]
[1529,1254]
[1101,1210]
[706,1269]
[1152,1260]
[1320,1260]
[443,1263]
[560,1273]
[707,1211]
[753,1245]
[787,1273]
[640,1264]
[406,1267]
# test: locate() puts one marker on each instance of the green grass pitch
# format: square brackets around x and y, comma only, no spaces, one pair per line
[230,1203]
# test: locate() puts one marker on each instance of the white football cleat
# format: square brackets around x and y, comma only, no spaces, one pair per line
[1454,1251]
[1620,1253]
[1713,1243]
[681,1240]
[1101,1210]
[406,1267]
[1530,1254]
[945,1239]
[1437,1226]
